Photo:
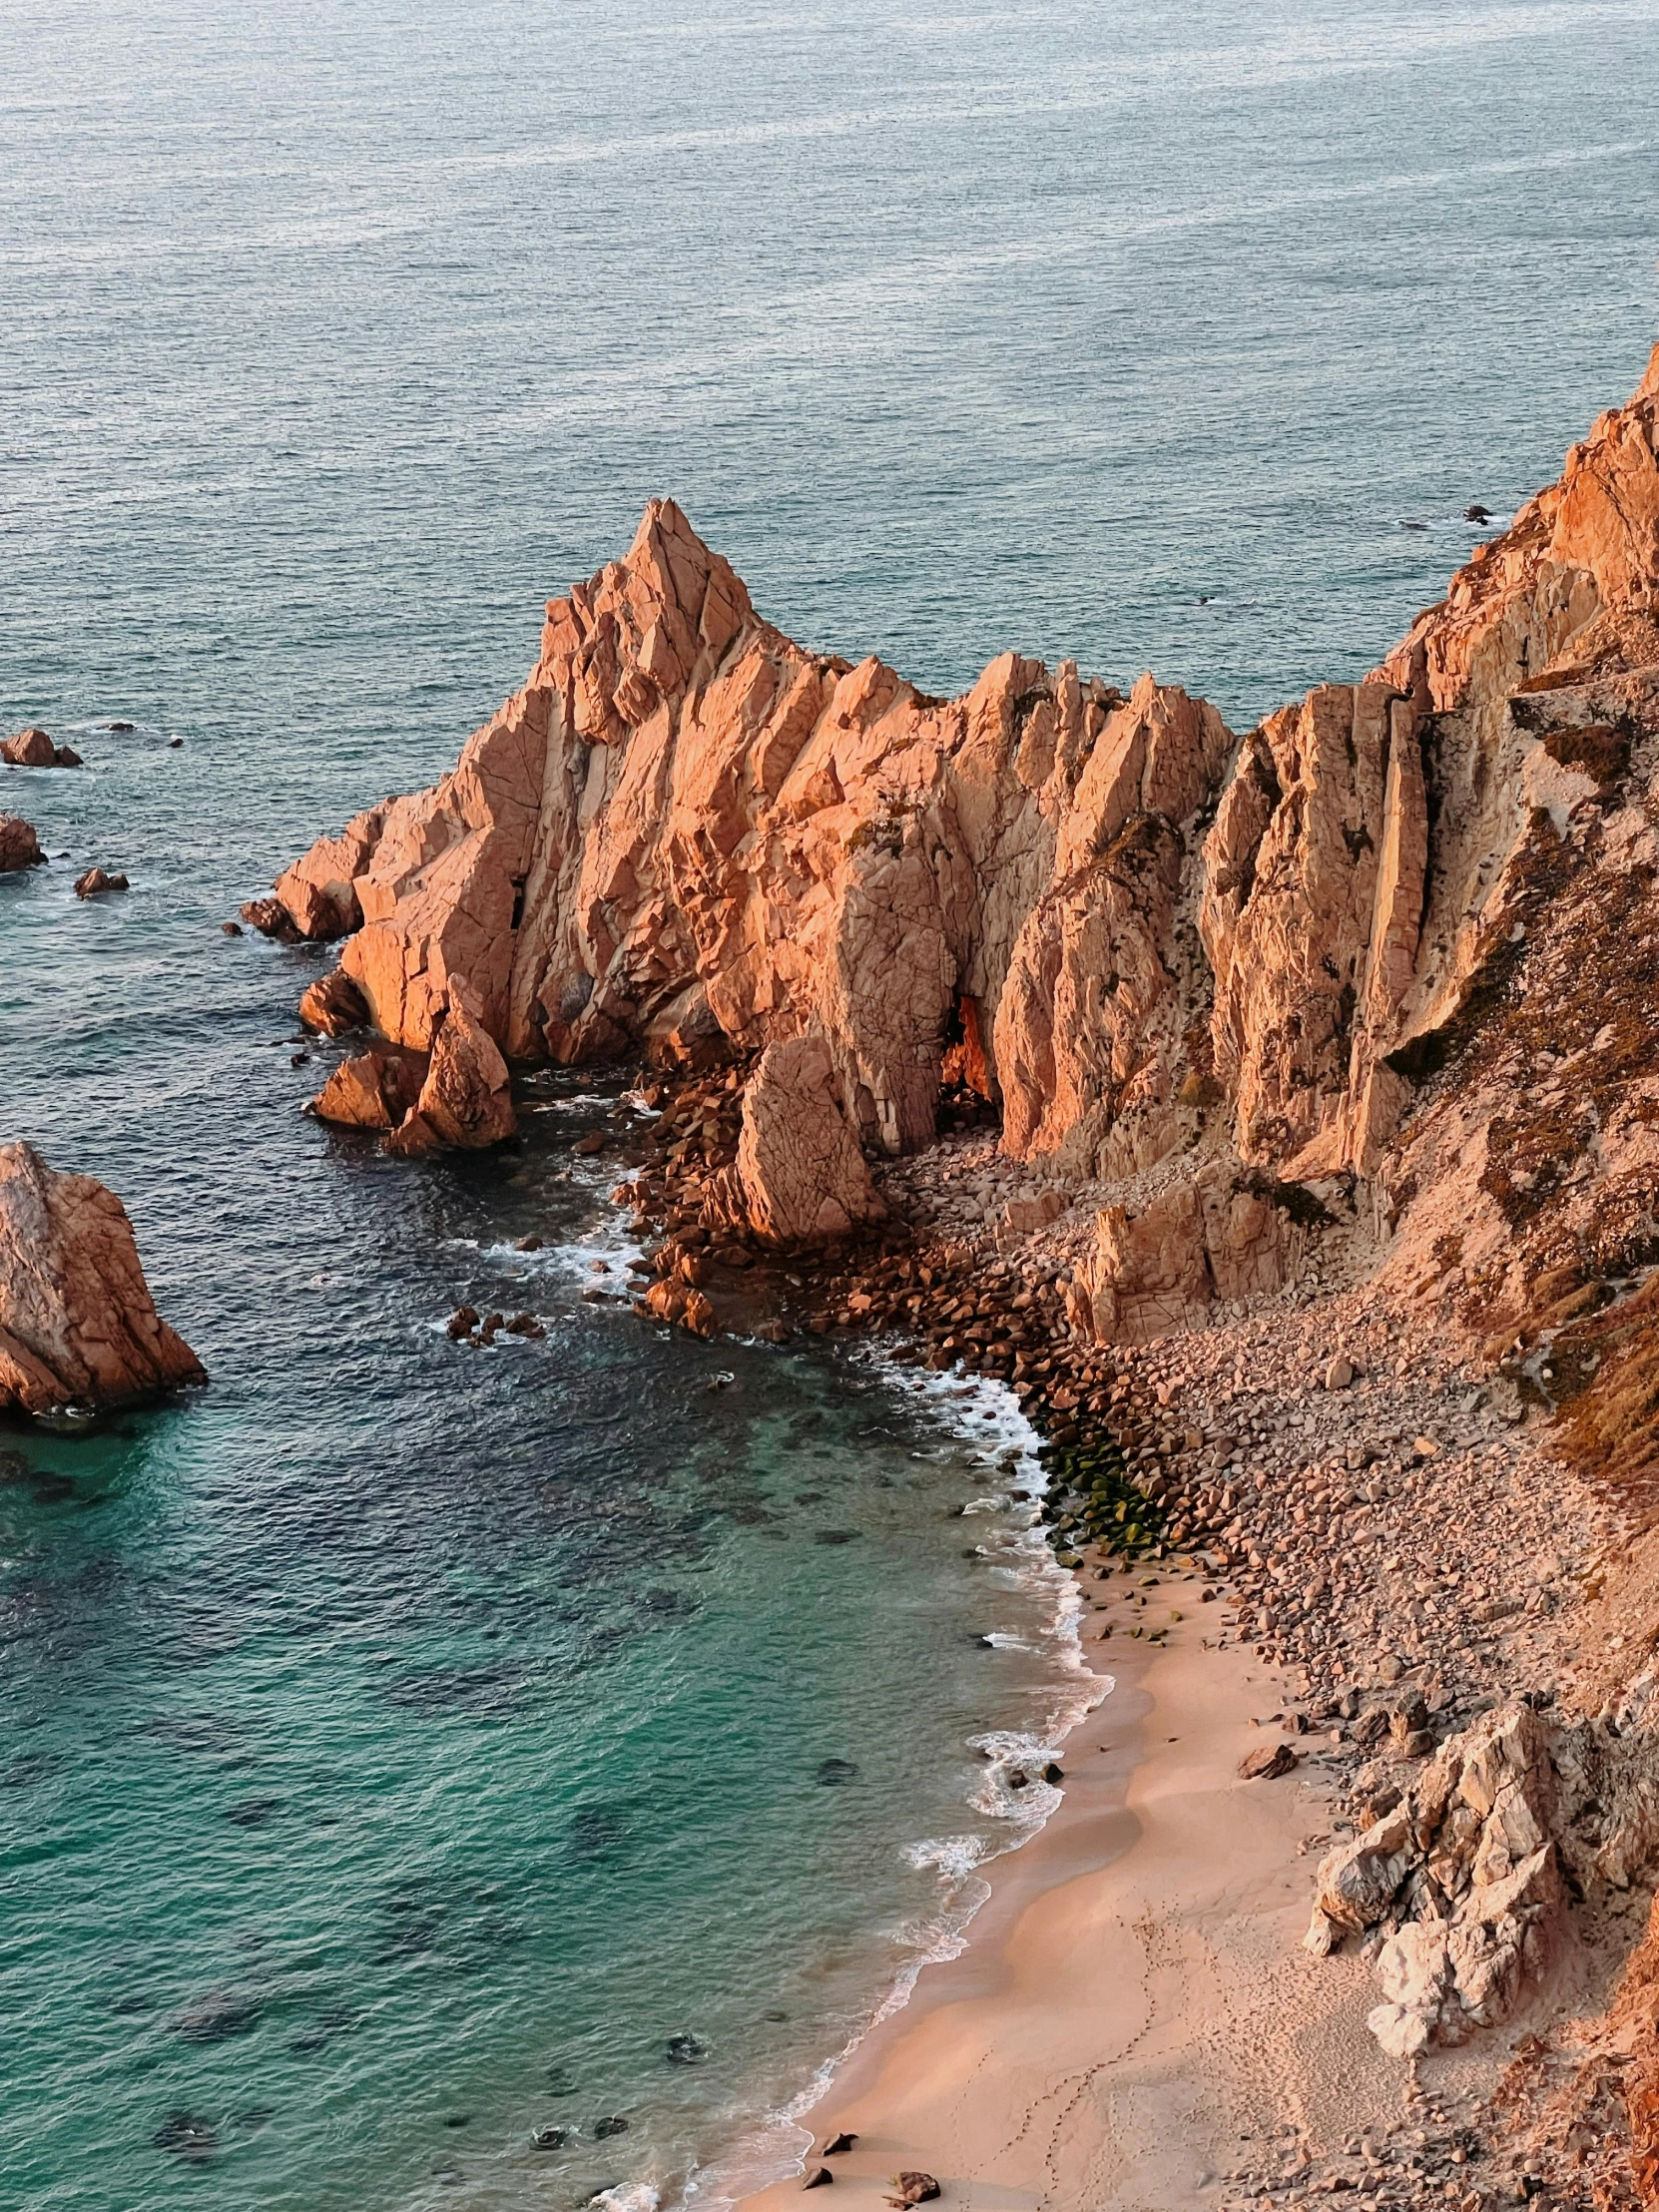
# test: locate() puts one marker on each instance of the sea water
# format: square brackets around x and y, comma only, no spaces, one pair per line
[407,1751]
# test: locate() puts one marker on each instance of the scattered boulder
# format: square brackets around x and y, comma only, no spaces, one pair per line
[19,846]
[372,1090]
[816,2177]
[914,2188]
[334,1004]
[96,882]
[799,1177]
[1267,1763]
[838,2145]
[78,1326]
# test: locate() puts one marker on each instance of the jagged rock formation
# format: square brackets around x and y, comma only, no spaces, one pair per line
[78,1326]
[465,1099]
[1465,1873]
[19,846]
[691,838]
[371,1090]
[332,1006]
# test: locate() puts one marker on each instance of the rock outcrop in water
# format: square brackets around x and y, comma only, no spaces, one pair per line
[689,837]
[78,1326]
[19,846]
[33,748]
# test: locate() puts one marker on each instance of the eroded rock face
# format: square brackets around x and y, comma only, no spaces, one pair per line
[78,1326]
[691,838]
[318,892]
[19,846]
[799,1177]
[1221,1234]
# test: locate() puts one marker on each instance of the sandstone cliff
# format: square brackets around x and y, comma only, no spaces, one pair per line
[78,1326]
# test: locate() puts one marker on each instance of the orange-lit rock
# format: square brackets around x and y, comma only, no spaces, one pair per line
[799,1177]
[334,1004]
[689,837]
[19,846]
[371,1090]
[78,1326]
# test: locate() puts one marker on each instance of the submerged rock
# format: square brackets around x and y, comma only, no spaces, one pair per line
[78,1326]
[187,2136]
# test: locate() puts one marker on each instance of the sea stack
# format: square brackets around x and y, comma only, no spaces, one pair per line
[78,1326]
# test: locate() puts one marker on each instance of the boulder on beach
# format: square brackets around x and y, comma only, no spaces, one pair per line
[78,1326]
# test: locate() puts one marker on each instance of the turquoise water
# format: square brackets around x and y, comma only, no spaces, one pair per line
[396,1737]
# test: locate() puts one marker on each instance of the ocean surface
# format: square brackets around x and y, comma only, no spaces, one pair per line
[406,1751]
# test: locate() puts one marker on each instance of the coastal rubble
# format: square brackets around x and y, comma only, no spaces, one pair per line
[78,1326]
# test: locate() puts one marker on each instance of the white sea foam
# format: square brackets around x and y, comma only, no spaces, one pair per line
[628,2196]
[985,1412]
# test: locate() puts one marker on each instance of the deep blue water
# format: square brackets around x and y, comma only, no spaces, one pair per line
[394,1735]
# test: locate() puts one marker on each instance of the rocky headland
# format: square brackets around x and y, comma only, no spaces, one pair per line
[1278,1114]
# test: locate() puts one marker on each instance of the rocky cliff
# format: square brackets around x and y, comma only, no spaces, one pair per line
[691,838]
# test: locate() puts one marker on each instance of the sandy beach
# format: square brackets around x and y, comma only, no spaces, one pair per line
[1134,2019]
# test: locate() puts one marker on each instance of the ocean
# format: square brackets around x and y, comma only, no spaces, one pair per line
[408,1752]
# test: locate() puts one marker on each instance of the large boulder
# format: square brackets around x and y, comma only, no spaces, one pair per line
[78,1326]
[19,846]
[1225,1232]
[33,749]
[1464,1875]
[371,1090]
[467,1099]
[334,1004]
[799,1177]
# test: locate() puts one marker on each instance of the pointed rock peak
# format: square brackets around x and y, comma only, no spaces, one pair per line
[1648,389]
[680,567]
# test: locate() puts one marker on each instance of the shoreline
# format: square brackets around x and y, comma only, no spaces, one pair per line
[994,2074]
